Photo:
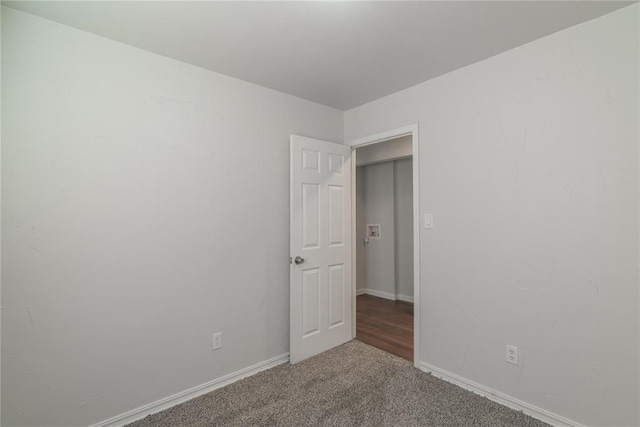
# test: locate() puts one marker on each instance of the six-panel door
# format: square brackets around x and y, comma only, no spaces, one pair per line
[321,235]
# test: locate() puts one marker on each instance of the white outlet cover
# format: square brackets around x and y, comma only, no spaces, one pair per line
[217,341]
[512,354]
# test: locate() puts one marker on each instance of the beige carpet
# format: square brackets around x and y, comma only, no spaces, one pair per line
[351,385]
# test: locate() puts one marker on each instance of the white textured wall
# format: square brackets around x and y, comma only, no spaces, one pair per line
[145,206]
[1,9]
[385,197]
[361,230]
[384,151]
[403,216]
[529,161]
[378,209]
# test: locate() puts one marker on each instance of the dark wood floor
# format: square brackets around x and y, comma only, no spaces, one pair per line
[385,324]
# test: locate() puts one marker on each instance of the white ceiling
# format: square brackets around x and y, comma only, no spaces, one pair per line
[341,54]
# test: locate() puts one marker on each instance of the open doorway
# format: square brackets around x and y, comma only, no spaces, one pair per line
[322,273]
[384,247]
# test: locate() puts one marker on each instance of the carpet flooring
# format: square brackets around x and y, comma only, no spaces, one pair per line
[351,385]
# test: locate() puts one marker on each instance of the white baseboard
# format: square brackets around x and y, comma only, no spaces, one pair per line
[404,298]
[385,295]
[183,396]
[380,294]
[501,398]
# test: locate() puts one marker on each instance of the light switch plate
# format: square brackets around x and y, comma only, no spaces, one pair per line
[428,220]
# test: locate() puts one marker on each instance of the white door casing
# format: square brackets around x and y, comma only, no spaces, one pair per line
[320,286]
[417,283]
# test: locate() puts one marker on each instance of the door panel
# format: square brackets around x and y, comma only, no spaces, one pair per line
[336,291]
[336,209]
[320,286]
[310,302]
[310,215]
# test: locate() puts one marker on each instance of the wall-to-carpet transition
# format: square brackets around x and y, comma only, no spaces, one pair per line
[354,384]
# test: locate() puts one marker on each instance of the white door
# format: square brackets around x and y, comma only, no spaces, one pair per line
[320,272]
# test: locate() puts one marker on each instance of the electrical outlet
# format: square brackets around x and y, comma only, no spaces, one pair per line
[217,340]
[512,354]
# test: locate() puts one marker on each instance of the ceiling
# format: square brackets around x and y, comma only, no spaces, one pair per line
[340,54]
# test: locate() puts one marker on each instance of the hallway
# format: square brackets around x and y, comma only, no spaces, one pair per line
[385,324]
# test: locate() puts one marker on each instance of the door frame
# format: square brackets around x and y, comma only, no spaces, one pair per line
[370,140]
